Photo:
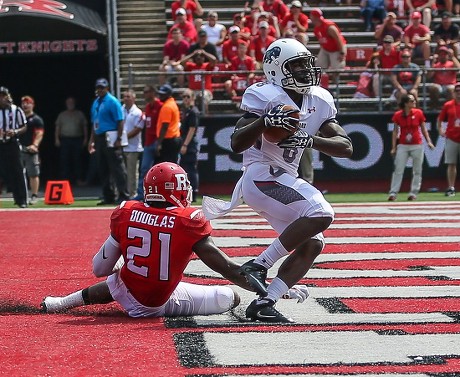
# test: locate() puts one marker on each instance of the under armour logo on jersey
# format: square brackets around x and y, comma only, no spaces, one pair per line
[272,54]
[311,110]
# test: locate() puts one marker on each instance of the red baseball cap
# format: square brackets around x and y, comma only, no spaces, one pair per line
[316,12]
[416,15]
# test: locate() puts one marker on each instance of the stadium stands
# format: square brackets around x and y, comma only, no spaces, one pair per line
[143,26]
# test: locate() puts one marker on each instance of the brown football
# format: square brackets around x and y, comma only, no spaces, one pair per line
[276,134]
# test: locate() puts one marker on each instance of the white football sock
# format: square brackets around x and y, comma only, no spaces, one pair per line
[276,289]
[271,254]
[73,300]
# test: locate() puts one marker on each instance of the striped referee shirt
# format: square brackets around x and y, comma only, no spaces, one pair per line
[11,118]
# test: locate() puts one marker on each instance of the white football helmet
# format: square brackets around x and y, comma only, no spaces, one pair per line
[289,64]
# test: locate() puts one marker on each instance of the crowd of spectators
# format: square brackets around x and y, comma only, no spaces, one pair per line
[399,27]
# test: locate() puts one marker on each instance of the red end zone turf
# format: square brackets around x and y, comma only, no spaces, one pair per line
[416,285]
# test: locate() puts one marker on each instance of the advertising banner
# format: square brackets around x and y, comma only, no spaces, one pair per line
[371,136]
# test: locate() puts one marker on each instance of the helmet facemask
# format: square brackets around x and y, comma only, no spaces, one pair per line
[300,74]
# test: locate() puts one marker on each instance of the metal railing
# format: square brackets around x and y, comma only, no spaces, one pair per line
[335,85]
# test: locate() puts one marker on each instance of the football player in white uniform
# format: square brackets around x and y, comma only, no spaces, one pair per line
[270,184]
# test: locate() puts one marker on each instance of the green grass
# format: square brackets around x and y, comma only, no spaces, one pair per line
[332,198]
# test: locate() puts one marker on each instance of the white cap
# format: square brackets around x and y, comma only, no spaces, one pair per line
[263,24]
[181,11]
[297,4]
[234,28]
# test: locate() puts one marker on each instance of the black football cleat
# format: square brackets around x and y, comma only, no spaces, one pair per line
[255,275]
[265,312]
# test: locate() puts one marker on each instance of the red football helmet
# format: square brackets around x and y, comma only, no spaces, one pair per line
[167,182]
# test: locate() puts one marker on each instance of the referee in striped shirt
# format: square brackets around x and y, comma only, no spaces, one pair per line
[12,123]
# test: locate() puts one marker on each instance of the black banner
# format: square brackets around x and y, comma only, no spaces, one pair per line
[371,136]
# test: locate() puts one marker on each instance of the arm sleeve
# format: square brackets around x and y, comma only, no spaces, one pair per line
[106,258]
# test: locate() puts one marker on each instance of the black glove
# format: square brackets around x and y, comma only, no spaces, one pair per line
[277,117]
[301,139]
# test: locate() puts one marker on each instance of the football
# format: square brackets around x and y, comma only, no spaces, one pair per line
[276,134]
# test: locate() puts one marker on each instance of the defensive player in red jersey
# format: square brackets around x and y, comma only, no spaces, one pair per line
[149,247]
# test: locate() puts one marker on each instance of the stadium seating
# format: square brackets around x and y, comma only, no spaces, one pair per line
[361,44]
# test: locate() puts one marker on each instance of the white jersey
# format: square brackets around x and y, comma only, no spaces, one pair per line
[317,107]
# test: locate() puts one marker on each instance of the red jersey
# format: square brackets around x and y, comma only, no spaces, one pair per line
[259,46]
[277,8]
[230,48]
[190,9]
[411,31]
[445,77]
[246,64]
[421,3]
[288,22]
[390,60]
[409,126]
[325,40]
[194,80]
[450,113]
[188,31]
[176,52]
[156,245]
[152,110]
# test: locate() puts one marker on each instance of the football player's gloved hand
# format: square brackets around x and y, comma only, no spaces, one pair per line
[301,139]
[277,117]
[298,292]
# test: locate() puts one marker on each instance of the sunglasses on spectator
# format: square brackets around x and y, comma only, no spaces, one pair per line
[185,96]
[405,56]
[386,42]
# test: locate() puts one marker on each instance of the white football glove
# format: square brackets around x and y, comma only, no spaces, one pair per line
[277,117]
[301,139]
[298,292]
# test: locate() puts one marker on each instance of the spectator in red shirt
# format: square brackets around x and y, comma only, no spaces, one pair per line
[406,77]
[252,15]
[230,46]
[389,57]
[245,32]
[450,113]
[275,7]
[242,62]
[333,46]
[273,28]
[173,51]
[187,27]
[407,142]
[202,86]
[417,37]
[260,43]
[295,19]
[443,82]
[388,27]
[425,7]
[192,8]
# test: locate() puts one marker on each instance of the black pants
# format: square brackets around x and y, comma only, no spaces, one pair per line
[11,170]
[169,150]
[112,170]
[189,163]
